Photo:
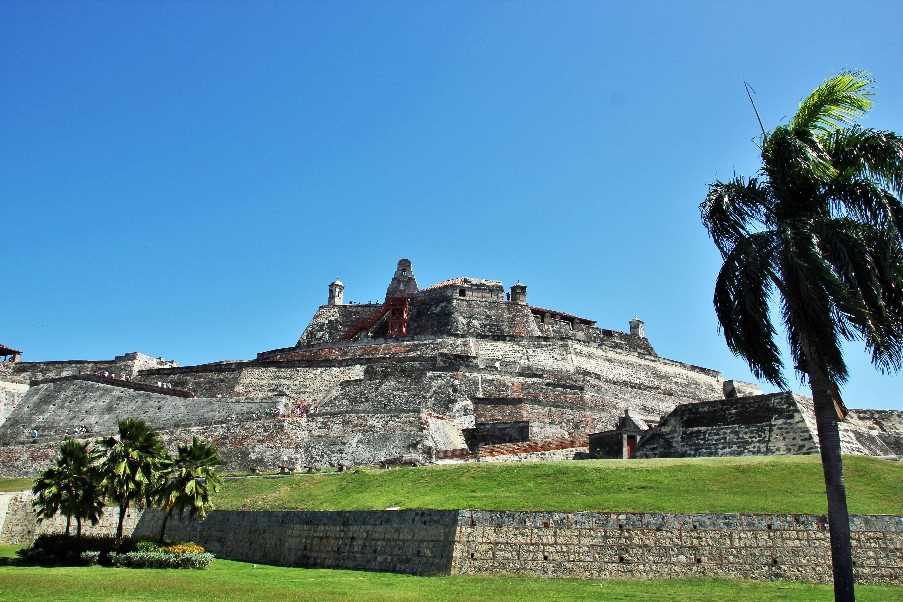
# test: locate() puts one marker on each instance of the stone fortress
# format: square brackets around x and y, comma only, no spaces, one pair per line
[458,371]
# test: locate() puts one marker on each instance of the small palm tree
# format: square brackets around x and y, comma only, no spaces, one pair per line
[192,477]
[820,226]
[70,487]
[131,464]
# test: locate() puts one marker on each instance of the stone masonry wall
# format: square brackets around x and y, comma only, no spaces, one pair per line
[587,545]
[602,545]
[10,395]
[80,408]
[760,425]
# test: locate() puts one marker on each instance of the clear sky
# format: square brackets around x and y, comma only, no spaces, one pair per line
[185,179]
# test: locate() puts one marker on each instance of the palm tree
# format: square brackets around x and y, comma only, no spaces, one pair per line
[192,477]
[820,225]
[71,487]
[131,465]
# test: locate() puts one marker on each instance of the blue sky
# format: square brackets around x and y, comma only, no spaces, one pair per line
[185,179]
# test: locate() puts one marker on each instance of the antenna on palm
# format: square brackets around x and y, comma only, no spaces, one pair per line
[749,92]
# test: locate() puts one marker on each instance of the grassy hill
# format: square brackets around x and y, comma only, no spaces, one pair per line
[777,484]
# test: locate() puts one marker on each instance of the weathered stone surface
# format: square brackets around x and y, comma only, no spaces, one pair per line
[589,545]
[777,423]
[469,356]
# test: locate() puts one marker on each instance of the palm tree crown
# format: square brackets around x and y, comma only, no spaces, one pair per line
[822,225]
[192,477]
[131,464]
[70,487]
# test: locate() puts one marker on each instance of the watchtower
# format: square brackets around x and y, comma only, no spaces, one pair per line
[637,328]
[336,293]
[519,293]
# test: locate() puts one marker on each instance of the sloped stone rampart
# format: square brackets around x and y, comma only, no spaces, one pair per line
[585,545]
[81,408]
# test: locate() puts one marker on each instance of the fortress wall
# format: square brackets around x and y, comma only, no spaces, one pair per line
[331,321]
[551,355]
[46,370]
[592,545]
[648,373]
[760,425]
[878,432]
[581,545]
[470,317]
[81,408]
[129,363]
[298,383]
[442,393]
[216,381]
[10,395]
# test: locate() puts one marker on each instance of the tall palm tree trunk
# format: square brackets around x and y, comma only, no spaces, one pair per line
[163,526]
[123,508]
[78,527]
[68,522]
[832,466]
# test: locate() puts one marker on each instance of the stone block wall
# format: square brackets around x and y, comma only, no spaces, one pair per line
[583,545]
[760,425]
[406,541]
[10,395]
[81,408]
[593,545]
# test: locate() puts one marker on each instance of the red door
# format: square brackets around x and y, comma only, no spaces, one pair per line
[631,445]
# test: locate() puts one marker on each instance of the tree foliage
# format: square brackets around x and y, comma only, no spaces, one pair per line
[70,487]
[132,464]
[819,230]
[190,479]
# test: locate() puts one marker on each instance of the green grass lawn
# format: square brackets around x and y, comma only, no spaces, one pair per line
[227,580]
[776,484]
[15,484]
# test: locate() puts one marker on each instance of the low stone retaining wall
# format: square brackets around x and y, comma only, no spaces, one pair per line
[595,545]
[588,545]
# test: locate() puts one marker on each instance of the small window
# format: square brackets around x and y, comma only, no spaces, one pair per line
[462,292]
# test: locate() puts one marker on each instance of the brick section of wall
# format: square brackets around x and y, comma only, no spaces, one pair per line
[600,545]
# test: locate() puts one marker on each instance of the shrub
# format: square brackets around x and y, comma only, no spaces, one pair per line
[90,557]
[161,560]
[187,547]
[58,548]
[146,545]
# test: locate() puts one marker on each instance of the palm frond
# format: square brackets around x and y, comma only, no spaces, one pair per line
[870,154]
[835,103]
[730,208]
[813,295]
[742,295]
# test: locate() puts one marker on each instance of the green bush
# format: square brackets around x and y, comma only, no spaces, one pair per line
[146,545]
[58,548]
[161,560]
[90,557]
